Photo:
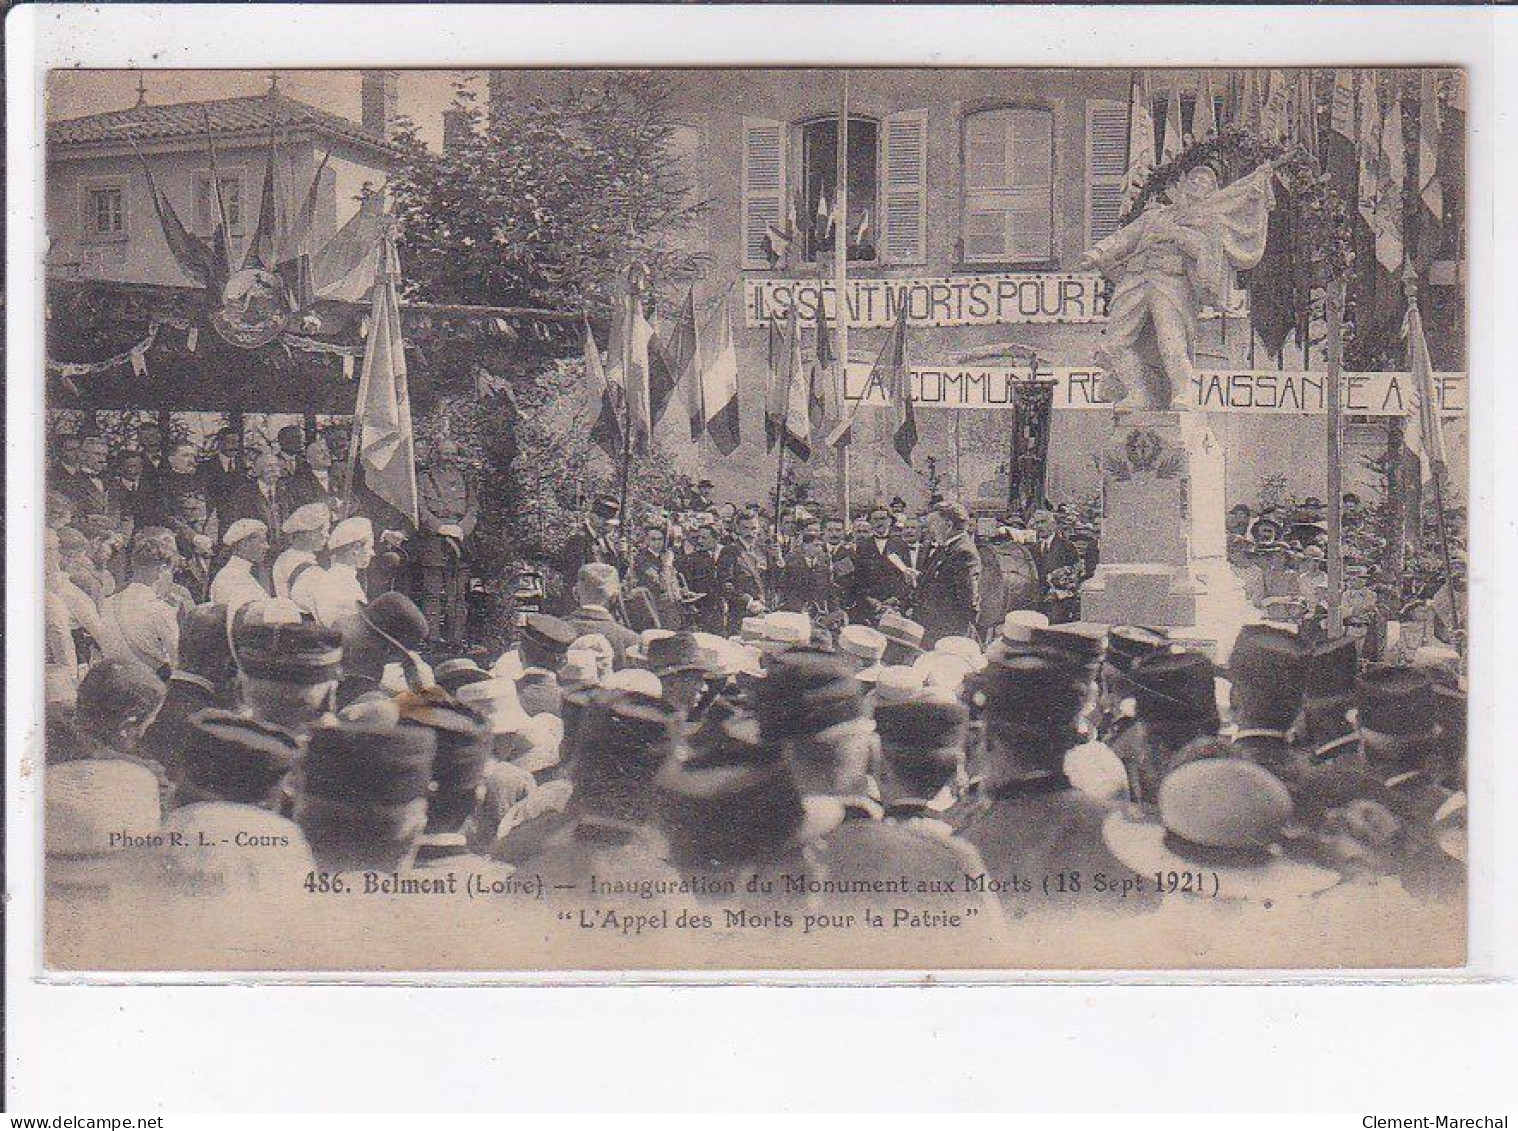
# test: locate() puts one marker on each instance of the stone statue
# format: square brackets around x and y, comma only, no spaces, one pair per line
[1167,263]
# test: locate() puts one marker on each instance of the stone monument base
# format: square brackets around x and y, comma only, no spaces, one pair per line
[1164,561]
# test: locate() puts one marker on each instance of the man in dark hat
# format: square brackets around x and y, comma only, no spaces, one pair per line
[1399,736]
[388,630]
[233,759]
[1328,731]
[118,700]
[1175,718]
[622,741]
[1023,815]
[545,641]
[464,745]
[362,799]
[598,593]
[947,597]
[811,706]
[204,677]
[289,671]
[922,757]
[1126,646]
[1268,672]
[683,668]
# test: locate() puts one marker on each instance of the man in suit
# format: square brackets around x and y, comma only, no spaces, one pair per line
[598,589]
[699,568]
[596,541]
[881,571]
[806,579]
[86,488]
[1052,552]
[948,591]
[743,571]
[447,510]
[262,497]
[222,469]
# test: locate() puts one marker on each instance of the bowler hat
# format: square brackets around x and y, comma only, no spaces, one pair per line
[363,764]
[233,758]
[458,672]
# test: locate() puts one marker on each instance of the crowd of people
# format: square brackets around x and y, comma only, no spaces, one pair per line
[820,700]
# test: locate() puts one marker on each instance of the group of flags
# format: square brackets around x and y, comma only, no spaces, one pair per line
[629,391]
[790,241]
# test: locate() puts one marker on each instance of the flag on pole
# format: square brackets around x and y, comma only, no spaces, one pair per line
[1141,154]
[632,378]
[1430,191]
[1304,112]
[1247,113]
[794,420]
[1342,118]
[684,350]
[1388,223]
[663,374]
[1273,114]
[387,447]
[1424,435]
[1204,120]
[1171,149]
[196,257]
[823,399]
[601,400]
[718,378]
[774,401]
[899,388]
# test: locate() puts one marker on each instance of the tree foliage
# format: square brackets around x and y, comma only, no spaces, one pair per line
[541,205]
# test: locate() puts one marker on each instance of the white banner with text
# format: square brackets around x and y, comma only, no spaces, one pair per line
[1253,391]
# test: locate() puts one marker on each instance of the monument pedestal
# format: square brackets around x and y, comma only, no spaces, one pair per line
[1164,543]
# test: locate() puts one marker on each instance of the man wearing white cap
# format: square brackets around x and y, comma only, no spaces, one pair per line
[234,584]
[305,533]
[337,594]
[861,647]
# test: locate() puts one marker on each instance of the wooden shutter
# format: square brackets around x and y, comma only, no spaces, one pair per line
[1106,166]
[904,188]
[764,153]
[1009,186]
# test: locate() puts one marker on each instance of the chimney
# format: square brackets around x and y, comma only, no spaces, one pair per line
[379,100]
[455,129]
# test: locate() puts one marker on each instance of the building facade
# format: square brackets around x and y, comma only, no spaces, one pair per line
[978,192]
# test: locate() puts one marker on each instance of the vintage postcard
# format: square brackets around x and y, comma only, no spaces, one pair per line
[958,519]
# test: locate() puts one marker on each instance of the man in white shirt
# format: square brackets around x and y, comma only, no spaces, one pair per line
[234,584]
[140,624]
[305,533]
[338,593]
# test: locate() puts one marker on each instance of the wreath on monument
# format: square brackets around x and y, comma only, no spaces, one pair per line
[1322,235]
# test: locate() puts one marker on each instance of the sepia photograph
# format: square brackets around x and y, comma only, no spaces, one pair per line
[755,519]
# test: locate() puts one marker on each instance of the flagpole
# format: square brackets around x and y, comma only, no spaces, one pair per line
[840,283]
[1335,303]
[221,207]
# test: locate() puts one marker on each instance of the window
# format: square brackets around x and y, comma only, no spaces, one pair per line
[105,213]
[1008,186]
[205,204]
[790,174]
[1106,167]
[819,181]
